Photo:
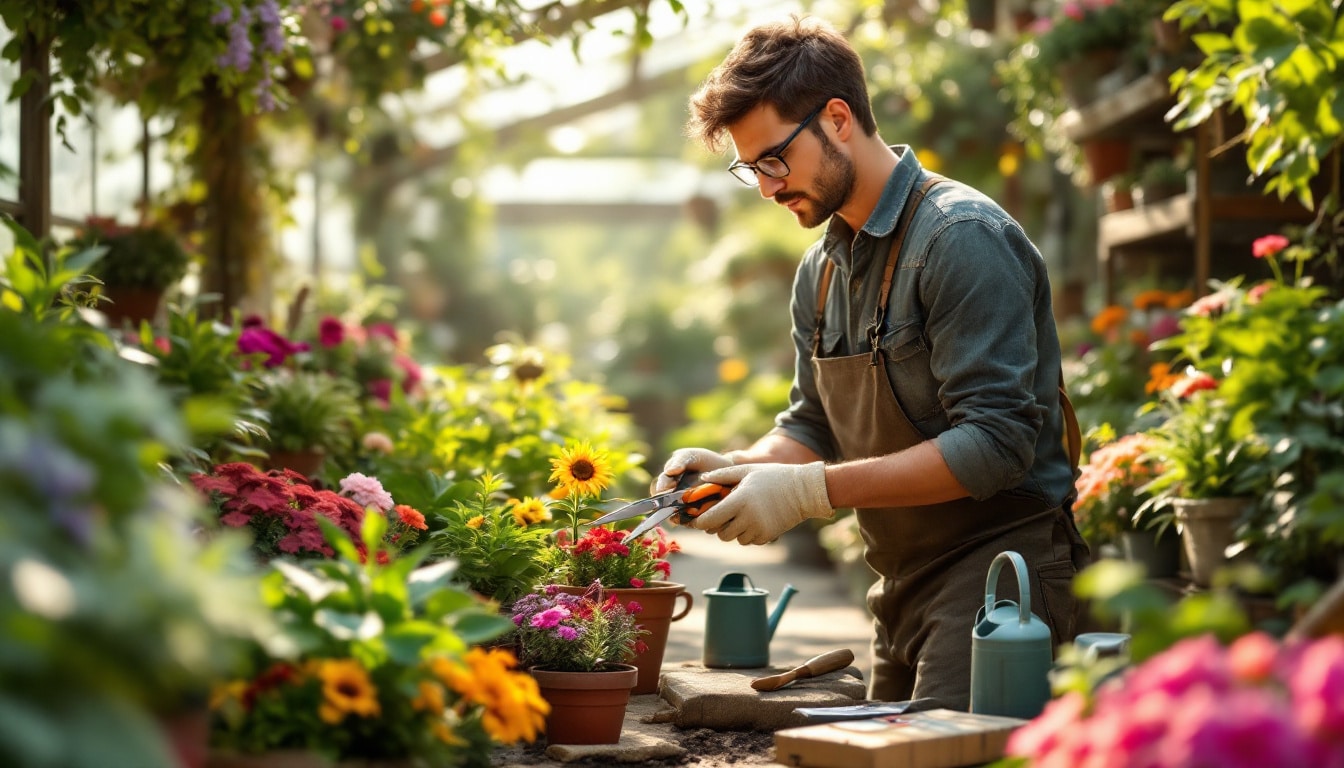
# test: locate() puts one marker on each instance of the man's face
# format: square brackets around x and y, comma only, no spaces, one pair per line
[821,176]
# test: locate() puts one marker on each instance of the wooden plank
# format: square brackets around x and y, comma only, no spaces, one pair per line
[1144,99]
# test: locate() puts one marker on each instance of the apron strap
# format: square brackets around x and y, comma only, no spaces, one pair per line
[824,283]
[898,240]
[1073,436]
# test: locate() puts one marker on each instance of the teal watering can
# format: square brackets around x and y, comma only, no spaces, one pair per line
[737,629]
[1011,650]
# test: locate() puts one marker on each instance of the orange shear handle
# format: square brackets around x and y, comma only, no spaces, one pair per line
[698,499]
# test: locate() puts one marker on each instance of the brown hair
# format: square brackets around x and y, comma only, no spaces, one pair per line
[794,65]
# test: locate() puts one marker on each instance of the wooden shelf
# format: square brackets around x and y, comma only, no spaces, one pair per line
[1144,100]
[1175,217]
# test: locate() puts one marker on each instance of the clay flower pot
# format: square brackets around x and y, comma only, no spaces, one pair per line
[586,707]
[658,603]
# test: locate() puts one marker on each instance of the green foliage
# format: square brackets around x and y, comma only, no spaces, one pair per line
[476,419]
[307,411]
[497,554]
[112,612]
[355,645]
[1279,66]
[734,412]
[147,257]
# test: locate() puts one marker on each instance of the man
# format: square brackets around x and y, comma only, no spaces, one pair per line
[927,386]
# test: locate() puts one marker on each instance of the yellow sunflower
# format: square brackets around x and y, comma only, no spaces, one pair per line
[582,470]
[346,689]
[528,511]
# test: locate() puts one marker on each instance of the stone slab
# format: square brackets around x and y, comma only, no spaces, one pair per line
[642,738]
[723,699]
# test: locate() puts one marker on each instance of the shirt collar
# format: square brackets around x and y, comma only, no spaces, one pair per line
[882,221]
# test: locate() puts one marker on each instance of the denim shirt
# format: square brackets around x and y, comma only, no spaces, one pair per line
[969,335]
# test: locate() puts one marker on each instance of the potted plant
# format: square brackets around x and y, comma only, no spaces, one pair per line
[309,416]
[1160,179]
[499,543]
[575,645]
[1110,492]
[1212,471]
[635,570]
[377,660]
[138,264]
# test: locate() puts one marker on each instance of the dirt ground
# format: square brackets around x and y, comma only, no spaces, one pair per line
[705,748]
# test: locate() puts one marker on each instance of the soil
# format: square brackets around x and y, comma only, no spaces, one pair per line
[705,748]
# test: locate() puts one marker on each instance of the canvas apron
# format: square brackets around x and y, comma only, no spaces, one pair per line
[933,559]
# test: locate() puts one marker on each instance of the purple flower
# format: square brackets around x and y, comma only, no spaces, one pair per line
[567,633]
[272,37]
[239,53]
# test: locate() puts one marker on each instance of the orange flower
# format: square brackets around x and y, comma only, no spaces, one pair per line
[529,511]
[1180,299]
[476,522]
[1150,300]
[1109,319]
[430,698]
[1160,378]
[411,516]
[514,708]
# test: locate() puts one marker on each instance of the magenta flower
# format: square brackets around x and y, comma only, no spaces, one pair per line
[366,491]
[258,339]
[1317,684]
[567,633]
[550,617]
[330,332]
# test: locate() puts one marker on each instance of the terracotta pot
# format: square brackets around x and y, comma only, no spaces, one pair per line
[130,305]
[1106,158]
[658,603]
[306,463]
[586,707]
[1208,528]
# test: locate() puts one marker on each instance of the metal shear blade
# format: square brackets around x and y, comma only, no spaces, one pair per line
[689,499]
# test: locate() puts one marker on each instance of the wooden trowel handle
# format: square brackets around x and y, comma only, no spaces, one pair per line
[817,665]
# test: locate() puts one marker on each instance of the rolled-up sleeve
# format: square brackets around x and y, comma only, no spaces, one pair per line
[805,420]
[978,287]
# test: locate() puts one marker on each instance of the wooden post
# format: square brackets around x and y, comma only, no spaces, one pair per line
[35,139]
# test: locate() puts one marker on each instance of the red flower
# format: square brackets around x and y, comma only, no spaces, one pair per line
[411,516]
[1268,245]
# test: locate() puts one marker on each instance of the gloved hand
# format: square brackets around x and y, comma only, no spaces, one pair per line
[765,500]
[682,459]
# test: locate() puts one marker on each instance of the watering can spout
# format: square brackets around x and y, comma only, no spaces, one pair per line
[783,603]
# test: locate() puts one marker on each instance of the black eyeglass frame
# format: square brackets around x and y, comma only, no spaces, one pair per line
[776,154]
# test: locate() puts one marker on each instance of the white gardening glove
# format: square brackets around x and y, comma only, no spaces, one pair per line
[765,500]
[682,459]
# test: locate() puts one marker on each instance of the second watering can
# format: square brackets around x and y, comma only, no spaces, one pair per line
[1011,650]
[737,628]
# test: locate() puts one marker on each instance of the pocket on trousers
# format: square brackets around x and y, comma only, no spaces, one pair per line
[1060,605]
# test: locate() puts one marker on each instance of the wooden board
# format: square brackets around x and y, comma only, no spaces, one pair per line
[939,738]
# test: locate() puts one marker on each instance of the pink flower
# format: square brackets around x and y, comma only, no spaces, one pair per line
[565,632]
[636,583]
[1317,684]
[377,442]
[550,617]
[330,332]
[1268,245]
[1165,326]
[339,24]
[1252,657]
[1208,306]
[1042,735]
[1258,292]
[1073,11]
[366,491]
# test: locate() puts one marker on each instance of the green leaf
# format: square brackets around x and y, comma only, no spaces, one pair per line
[349,626]
[476,628]
[313,586]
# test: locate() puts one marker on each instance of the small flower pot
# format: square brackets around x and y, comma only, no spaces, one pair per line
[1159,555]
[586,707]
[657,601]
[1208,528]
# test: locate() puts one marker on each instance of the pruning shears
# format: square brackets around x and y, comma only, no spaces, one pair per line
[683,503]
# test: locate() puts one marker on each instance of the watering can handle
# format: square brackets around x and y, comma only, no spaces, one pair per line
[1023,586]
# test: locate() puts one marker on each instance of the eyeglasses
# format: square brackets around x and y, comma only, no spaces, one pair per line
[771,163]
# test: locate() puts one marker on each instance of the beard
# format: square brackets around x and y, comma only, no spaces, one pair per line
[832,187]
